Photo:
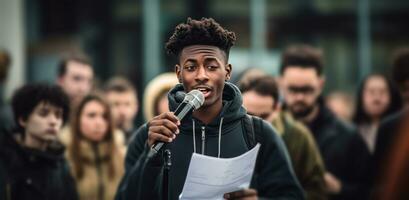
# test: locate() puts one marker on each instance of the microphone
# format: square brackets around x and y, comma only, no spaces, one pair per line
[192,101]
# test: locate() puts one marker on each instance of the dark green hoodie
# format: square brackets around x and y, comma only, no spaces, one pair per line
[223,137]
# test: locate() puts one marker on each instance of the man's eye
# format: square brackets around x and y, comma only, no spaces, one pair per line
[212,67]
[58,114]
[43,112]
[92,115]
[190,67]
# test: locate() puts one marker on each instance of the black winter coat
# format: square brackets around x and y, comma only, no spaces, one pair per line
[344,153]
[32,174]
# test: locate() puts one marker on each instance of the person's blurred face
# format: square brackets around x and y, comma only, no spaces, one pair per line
[124,107]
[204,68]
[258,105]
[93,121]
[376,98]
[77,80]
[44,122]
[301,88]
[340,107]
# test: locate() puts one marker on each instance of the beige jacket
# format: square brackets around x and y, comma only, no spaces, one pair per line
[96,183]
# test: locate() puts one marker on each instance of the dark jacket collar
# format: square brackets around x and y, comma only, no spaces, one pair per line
[19,156]
[325,116]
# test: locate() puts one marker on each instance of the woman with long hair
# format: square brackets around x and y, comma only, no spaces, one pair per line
[377,97]
[95,158]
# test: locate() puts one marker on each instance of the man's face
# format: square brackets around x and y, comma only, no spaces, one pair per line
[77,80]
[204,68]
[301,88]
[259,105]
[44,122]
[124,107]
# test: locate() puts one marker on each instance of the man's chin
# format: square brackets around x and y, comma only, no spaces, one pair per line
[50,137]
[302,113]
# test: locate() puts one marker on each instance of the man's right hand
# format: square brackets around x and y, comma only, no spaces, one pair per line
[163,127]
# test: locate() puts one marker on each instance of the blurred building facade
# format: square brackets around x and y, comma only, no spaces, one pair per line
[126,37]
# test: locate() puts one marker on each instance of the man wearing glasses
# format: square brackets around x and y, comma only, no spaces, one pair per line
[343,151]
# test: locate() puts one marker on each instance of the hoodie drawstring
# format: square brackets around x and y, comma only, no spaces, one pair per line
[194,137]
[220,137]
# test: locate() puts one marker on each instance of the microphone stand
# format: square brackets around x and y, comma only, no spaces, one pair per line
[168,163]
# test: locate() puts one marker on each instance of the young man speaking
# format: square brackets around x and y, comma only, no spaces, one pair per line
[215,129]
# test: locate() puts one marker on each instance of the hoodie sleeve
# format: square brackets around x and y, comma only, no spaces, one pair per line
[143,176]
[274,177]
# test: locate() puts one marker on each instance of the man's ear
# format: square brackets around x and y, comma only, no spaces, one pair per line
[178,71]
[22,122]
[229,68]
[322,82]
[279,81]
[59,81]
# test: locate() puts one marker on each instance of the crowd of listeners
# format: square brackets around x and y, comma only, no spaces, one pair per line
[69,140]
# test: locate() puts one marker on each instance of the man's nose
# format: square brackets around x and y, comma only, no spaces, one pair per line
[201,74]
[299,96]
[52,120]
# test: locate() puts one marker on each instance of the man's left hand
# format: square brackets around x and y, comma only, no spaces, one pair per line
[245,194]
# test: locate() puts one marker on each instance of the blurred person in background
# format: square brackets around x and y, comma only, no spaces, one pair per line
[377,98]
[75,76]
[388,132]
[6,114]
[341,104]
[96,160]
[32,163]
[342,149]
[156,95]
[260,98]
[243,78]
[123,99]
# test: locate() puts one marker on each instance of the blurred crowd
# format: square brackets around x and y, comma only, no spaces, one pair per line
[75,135]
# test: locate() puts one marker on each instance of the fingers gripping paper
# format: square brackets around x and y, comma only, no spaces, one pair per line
[211,177]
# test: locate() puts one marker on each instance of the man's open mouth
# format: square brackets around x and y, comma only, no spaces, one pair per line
[205,90]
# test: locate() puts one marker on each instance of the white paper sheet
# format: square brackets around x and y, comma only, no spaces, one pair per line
[211,177]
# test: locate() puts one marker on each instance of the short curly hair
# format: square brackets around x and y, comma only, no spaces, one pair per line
[200,32]
[26,98]
[400,66]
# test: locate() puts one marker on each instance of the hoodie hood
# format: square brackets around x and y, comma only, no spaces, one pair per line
[232,109]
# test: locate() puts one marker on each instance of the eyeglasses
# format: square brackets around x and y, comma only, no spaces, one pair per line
[306,90]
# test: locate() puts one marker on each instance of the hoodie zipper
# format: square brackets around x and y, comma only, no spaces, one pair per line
[203,139]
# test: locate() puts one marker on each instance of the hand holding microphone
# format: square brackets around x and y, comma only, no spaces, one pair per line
[164,127]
